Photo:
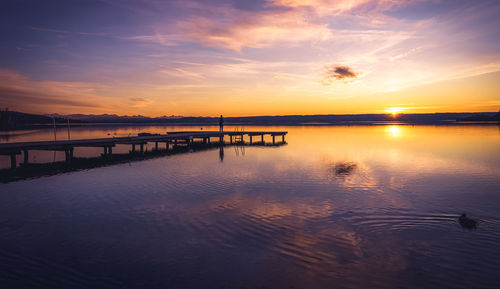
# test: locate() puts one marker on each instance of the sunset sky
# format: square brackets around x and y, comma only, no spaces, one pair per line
[242,57]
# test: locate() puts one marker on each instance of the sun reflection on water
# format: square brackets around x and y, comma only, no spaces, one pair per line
[394,131]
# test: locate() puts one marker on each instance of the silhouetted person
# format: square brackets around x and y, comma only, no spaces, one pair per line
[221,123]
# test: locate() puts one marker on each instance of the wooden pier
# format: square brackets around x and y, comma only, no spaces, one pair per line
[174,138]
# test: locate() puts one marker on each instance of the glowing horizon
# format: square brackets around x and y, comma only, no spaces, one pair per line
[242,58]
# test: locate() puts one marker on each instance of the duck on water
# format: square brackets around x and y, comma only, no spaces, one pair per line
[467,222]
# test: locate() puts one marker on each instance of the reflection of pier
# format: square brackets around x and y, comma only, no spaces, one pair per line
[170,141]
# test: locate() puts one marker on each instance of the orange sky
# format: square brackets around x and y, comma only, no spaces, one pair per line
[269,57]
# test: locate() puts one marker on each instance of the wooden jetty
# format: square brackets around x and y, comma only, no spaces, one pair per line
[175,138]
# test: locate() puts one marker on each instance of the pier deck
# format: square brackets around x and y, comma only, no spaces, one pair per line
[68,146]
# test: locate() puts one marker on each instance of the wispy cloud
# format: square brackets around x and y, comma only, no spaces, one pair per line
[58,31]
[139,102]
[21,93]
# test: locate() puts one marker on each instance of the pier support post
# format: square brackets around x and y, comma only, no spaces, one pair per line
[13,163]
[262,138]
[26,157]
[68,153]
[208,139]
[156,146]
[110,151]
[273,139]
[133,148]
[166,145]
[142,148]
[230,139]
[282,138]
[251,140]
[105,151]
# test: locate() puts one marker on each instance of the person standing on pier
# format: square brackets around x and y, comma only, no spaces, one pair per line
[221,123]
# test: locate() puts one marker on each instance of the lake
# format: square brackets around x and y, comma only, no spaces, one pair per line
[336,207]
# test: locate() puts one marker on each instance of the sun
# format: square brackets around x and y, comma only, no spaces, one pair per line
[394,111]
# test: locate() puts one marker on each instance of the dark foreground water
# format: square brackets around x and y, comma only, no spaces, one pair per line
[338,207]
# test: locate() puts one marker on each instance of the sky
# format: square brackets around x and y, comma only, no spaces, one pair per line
[242,58]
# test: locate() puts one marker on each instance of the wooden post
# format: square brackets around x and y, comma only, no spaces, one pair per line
[13,163]
[208,139]
[133,148]
[166,145]
[105,151]
[110,151]
[67,155]
[156,146]
[71,150]
[26,157]
[273,139]
[231,139]
[282,138]
[142,148]
[251,141]
[262,138]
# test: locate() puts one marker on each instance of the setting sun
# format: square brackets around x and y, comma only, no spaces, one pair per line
[394,110]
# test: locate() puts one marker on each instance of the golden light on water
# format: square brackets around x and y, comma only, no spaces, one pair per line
[394,131]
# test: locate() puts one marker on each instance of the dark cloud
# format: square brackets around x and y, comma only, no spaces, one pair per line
[339,72]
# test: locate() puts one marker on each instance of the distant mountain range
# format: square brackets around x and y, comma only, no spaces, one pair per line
[114,118]
[19,120]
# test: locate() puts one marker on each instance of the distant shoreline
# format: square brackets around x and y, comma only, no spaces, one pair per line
[11,120]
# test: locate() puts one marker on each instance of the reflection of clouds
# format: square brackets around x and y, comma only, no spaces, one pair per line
[304,232]
[350,174]
[344,169]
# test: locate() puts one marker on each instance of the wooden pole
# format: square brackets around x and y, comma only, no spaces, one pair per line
[13,163]
[54,122]
[69,137]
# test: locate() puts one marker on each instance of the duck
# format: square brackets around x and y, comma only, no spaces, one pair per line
[467,222]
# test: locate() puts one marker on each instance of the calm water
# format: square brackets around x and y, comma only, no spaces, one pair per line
[338,207]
